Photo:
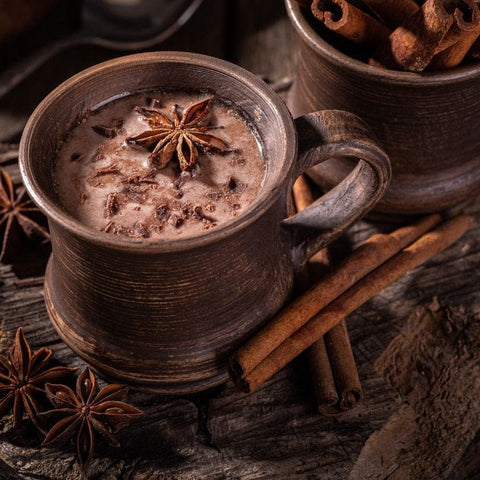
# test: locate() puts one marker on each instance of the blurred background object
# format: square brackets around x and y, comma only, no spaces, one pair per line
[130,25]
[53,47]
[17,17]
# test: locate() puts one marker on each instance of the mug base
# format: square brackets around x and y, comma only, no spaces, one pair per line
[64,325]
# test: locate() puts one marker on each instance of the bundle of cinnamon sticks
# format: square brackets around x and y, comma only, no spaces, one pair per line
[377,263]
[405,34]
[333,370]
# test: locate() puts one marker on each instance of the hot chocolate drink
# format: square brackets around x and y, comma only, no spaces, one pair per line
[160,165]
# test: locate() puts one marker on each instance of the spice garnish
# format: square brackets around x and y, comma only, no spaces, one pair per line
[86,411]
[14,216]
[181,136]
[22,378]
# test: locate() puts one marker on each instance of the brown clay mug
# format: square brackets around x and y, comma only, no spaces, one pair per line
[166,316]
[428,123]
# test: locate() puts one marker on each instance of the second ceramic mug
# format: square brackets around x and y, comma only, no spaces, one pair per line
[166,316]
[428,123]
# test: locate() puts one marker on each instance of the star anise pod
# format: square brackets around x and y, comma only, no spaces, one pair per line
[15,211]
[22,378]
[180,135]
[87,411]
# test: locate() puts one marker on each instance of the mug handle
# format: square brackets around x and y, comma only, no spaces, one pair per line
[324,135]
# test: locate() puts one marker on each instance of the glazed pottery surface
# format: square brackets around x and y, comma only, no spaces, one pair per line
[166,316]
[428,123]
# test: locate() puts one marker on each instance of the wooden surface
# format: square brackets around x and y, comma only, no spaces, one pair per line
[416,344]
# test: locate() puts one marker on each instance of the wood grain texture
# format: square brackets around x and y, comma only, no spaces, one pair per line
[435,366]
[274,432]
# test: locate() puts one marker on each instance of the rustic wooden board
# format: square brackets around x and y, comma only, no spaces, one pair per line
[274,432]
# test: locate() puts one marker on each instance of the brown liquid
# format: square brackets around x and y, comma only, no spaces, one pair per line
[109,183]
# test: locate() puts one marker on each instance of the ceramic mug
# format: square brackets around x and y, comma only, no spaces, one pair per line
[428,123]
[166,316]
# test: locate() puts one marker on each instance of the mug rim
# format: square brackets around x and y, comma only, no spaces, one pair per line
[310,36]
[261,203]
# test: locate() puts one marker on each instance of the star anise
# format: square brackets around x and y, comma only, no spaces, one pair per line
[15,211]
[22,378]
[181,136]
[87,411]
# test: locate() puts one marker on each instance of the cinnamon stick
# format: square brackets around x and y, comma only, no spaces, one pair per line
[371,254]
[302,193]
[350,22]
[392,12]
[321,373]
[414,43]
[474,52]
[460,38]
[332,365]
[424,248]
[454,55]
[344,370]
[319,363]
[466,18]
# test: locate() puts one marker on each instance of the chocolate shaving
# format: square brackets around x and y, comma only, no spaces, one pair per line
[181,179]
[215,195]
[137,180]
[132,179]
[110,170]
[210,207]
[112,227]
[178,194]
[208,225]
[75,157]
[162,212]
[109,131]
[235,186]
[106,132]
[112,205]
[157,227]
[199,215]
[139,230]
[149,181]
[175,220]
[138,197]
[151,173]
[187,210]
[109,226]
